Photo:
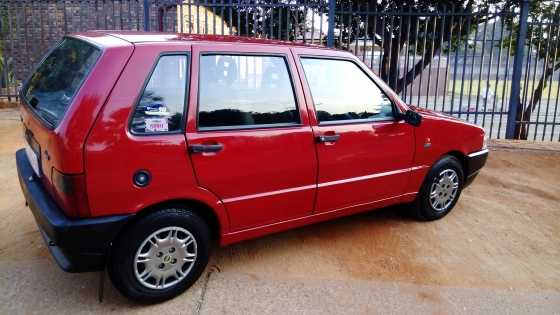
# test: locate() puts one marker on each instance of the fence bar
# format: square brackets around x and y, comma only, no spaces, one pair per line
[498,75]
[455,64]
[147,15]
[423,56]
[481,70]
[550,89]
[439,51]
[365,33]
[433,41]
[514,99]
[405,72]
[416,31]
[330,34]
[472,67]
[543,76]
[528,102]
[505,88]
[373,38]
[398,64]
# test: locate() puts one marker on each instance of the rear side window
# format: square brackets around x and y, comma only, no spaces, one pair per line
[52,87]
[243,91]
[341,91]
[161,106]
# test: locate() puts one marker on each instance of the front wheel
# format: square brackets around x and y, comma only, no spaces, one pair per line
[441,189]
[160,256]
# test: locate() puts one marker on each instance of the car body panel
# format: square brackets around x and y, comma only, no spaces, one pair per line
[285,155]
[371,161]
[113,154]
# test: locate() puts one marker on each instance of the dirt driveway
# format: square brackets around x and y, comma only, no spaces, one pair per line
[498,251]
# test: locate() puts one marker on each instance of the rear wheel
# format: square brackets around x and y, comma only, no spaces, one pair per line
[441,189]
[160,256]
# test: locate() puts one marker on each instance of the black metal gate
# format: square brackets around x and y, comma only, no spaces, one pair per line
[463,59]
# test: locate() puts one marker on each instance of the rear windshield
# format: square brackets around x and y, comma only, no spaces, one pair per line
[52,87]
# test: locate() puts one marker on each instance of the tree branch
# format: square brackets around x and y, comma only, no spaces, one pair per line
[537,93]
[522,129]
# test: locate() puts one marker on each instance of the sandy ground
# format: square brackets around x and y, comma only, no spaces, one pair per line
[498,251]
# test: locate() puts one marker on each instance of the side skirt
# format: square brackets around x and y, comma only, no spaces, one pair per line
[237,236]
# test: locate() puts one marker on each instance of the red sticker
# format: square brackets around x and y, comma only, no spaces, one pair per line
[156,124]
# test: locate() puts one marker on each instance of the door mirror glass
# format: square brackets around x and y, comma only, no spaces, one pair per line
[412,118]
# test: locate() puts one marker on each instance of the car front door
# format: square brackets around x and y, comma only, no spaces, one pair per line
[364,153]
[249,139]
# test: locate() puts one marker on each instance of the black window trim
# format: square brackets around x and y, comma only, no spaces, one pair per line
[185,101]
[22,97]
[254,126]
[394,107]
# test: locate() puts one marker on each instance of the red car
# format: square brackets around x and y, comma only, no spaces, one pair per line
[143,150]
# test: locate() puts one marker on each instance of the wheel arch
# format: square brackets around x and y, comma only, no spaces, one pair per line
[205,211]
[462,157]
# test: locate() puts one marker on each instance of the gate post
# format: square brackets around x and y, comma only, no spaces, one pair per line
[515,96]
[330,32]
[147,15]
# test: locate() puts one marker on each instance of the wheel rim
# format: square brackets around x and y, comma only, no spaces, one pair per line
[444,190]
[165,258]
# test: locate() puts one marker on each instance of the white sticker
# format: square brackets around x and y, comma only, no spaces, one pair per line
[156,124]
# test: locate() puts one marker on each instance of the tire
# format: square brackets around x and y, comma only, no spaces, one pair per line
[439,182]
[178,233]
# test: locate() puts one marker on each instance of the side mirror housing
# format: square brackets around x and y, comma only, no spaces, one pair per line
[412,118]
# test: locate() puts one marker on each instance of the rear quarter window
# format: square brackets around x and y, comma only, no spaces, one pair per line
[52,87]
[162,103]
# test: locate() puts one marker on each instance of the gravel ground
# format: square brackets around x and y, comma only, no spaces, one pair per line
[497,252]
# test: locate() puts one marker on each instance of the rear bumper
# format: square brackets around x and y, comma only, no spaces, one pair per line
[76,245]
[475,162]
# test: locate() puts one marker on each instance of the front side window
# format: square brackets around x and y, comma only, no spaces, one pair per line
[341,91]
[244,91]
[52,87]
[161,106]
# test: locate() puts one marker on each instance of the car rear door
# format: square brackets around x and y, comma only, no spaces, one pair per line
[248,134]
[364,153]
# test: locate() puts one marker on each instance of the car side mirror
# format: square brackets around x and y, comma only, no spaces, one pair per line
[412,118]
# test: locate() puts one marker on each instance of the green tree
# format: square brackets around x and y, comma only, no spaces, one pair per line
[423,30]
[412,32]
[390,30]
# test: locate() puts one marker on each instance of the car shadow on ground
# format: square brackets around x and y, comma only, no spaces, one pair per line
[42,278]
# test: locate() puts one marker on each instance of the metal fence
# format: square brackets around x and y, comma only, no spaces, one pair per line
[462,60]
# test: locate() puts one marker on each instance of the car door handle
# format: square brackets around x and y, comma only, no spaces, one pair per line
[205,148]
[327,138]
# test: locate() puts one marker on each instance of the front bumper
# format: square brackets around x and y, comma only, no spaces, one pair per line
[475,162]
[77,245]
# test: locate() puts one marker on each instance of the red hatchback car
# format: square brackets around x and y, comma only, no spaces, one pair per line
[144,149]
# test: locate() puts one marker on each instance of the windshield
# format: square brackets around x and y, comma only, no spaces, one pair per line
[52,87]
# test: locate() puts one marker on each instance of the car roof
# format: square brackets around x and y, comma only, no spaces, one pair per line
[147,37]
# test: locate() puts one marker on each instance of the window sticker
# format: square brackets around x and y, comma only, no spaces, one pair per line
[157,109]
[156,124]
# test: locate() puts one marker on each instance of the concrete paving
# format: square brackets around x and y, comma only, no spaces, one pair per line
[497,252]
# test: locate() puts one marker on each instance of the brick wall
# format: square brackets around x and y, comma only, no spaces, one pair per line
[28,28]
